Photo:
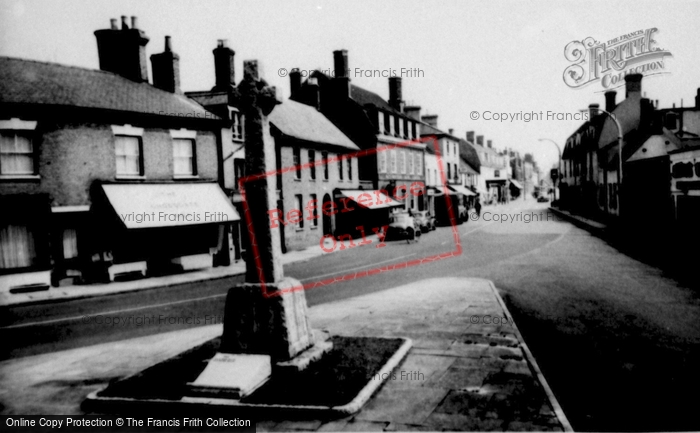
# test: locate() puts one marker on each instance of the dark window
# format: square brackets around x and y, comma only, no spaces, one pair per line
[324,156]
[350,168]
[312,164]
[238,170]
[297,163]
[340,167]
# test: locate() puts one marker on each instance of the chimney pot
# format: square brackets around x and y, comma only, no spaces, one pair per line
[451,131]
[633,84]
[123,52]
[610,100]
[295,82]
[134,23]
[488,144]
[593,110]
[395,100]
[224,70]
[113,24]
[166,69]
[340,63]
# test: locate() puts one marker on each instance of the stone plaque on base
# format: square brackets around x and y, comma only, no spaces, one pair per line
[232,375]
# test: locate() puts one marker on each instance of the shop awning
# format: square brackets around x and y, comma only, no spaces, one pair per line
[141,206]
[370,199]
[516,184]
[462,190]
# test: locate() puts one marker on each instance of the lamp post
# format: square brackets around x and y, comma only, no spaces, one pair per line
[557,182]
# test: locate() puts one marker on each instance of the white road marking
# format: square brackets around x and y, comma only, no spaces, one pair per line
[345,271]
[113,312]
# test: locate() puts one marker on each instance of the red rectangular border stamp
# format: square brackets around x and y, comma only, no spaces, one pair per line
[357,274]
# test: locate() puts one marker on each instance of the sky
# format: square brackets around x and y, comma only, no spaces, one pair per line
[466,56]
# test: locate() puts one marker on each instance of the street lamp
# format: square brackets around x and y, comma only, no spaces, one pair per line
[559,166]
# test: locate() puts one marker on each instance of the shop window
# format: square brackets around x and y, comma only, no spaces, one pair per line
[70,244]
[17,248]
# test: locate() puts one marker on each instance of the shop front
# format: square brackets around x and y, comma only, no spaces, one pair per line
[160,228]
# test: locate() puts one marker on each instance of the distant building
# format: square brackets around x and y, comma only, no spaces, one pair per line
[393,164]
[103,174]
[493,180]
[303,137]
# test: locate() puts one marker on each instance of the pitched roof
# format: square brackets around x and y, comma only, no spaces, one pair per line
[628,113]
[32,82]
[303,122]
[469,155]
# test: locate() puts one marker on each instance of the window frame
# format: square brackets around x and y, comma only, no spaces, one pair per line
[26,128]
[193,147]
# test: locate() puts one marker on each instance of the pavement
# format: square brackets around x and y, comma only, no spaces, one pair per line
[469,367]
[586,223]
[93,290]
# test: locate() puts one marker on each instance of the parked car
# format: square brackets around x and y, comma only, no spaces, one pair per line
[402,226]
[424,220]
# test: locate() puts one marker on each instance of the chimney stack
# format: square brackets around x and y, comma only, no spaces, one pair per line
[451,131]
[295,82]
[395,100]
[340,62]
[470,136]
[633,84]
[341,82]
[610,100]
[412,111]
[224,67]
[166,69]
[593,110]
[480,140]
[430,119]
[488,143]
[313,93]
[123,51]
[697,99]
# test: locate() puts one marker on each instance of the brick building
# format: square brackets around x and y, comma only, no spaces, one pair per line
[374,125]
[102,173]
[303,136]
